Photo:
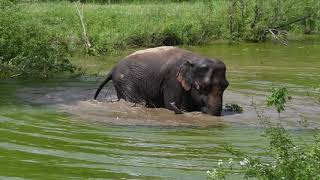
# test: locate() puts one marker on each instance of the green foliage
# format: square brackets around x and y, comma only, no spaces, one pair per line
[27,48]
[254,19]
[114,27]
[37,38]
[278,98]
[286,159]
[233,108]
[119,1]
[148,25]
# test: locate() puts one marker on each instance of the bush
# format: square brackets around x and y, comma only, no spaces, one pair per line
[286,159]
[278,98]
[37,38]
[253,20]
[29,49]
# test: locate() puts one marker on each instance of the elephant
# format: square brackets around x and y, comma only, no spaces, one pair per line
[172,78]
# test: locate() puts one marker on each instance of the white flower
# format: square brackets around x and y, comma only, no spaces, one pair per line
[244,162]
[259,165]
[220,162]
[230,161]
[212,173]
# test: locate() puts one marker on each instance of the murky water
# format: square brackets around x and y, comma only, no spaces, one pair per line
[53,130]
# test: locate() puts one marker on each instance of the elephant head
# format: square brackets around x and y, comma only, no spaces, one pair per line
[206,81]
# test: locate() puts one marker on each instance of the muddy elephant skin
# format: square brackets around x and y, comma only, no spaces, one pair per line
[171,78]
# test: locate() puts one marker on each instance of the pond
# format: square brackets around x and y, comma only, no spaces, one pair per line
[54,130]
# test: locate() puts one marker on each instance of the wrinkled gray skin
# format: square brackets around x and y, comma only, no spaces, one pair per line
[172,78]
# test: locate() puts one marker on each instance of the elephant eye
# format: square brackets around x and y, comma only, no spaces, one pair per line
[202,70]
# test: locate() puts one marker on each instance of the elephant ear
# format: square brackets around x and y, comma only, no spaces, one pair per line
[184,75]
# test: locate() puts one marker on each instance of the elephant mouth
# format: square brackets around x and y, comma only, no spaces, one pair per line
[213,113]
[217,114]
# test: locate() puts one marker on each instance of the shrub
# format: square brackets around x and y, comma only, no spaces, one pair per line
[286,159]
[278,98]
[118,26]
[29,49]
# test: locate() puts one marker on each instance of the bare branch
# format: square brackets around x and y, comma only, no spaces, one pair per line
[277,37]
[87,42]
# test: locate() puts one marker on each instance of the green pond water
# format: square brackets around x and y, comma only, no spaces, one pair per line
[48,129]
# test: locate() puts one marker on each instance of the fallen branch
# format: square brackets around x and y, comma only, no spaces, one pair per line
[277,37]
[16,75]
[274,31]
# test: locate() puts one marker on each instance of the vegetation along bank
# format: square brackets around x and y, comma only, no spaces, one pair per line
[37,39]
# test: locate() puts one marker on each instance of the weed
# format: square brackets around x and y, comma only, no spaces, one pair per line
[287,160]
[278,98]
[233,108]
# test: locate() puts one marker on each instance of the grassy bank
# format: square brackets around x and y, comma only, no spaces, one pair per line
[115,27]
[119,26]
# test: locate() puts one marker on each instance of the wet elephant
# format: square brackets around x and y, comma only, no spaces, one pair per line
[172,78]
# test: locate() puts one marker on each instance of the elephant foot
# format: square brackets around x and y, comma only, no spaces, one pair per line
[204,110]
[113,101]
[150,105]
[175,108]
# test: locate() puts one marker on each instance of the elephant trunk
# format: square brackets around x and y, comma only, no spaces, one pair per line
[214,103]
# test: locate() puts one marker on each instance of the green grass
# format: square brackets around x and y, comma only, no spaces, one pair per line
[119,26]
[37,38]
[113,27]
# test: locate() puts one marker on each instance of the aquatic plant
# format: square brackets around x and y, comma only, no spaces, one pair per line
[234,108]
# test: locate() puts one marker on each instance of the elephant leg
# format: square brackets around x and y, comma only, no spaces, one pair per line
[150,105]
[173,99]
[175,108]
